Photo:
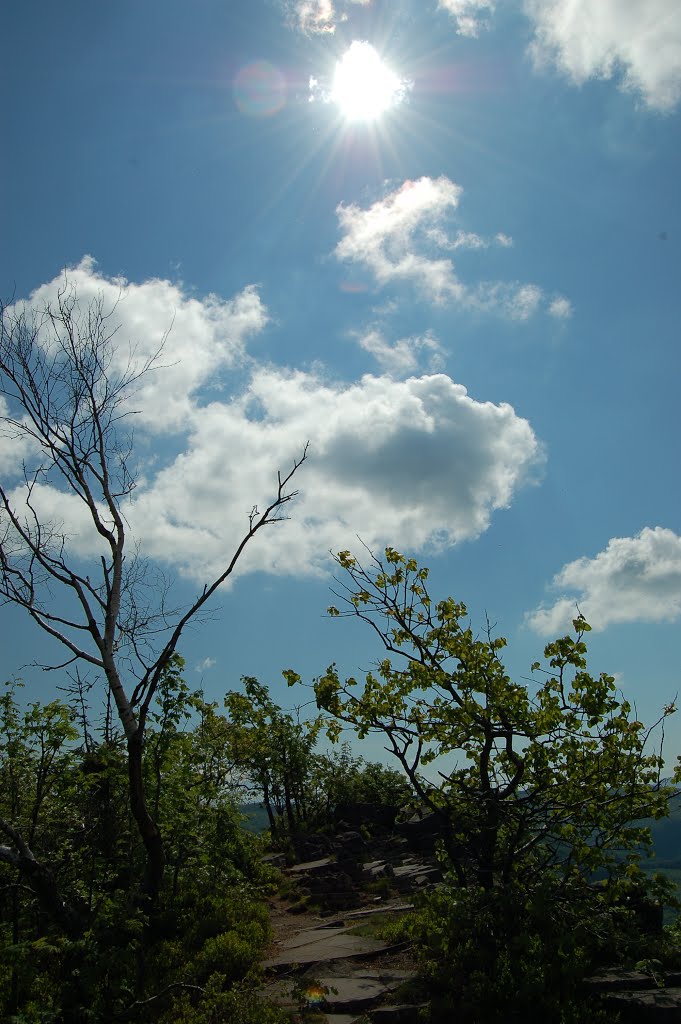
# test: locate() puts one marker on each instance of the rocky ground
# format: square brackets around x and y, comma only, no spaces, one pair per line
[324,971]
[319,967]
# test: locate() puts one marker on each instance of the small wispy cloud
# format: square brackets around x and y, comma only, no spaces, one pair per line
[470,16]
[402,237]
[320,17]
[404,356]
[561,308]
[204,665]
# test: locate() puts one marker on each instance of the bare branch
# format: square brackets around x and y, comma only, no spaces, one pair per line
[68,395]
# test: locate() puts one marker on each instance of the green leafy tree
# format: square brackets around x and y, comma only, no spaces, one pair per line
[534,790]
[340,780]
[274,751]
[95,956]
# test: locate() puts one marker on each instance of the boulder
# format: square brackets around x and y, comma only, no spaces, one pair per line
[373,815]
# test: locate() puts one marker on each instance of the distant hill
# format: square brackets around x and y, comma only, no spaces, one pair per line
[666,835]
[255,817]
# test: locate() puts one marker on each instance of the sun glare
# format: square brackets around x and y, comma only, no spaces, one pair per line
[363,86]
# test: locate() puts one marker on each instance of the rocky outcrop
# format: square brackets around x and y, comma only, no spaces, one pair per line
[374,816]
[637,997]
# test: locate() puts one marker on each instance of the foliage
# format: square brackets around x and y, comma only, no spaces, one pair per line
[301,788]
[201,943]
[274,751]
[341,780]
[538,788]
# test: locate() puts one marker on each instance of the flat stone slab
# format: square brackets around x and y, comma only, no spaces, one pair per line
[324,946]
[315,934]
[342,1018]
[354,993]
[656,1004]
[402,1013]
[618,980]
[387,909]
[311,866]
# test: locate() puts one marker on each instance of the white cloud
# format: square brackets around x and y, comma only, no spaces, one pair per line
[14,446]
[403,356]
[315,16]
[469,15]
[636,579]
[205,665]
[414,462]
[66,514]
[200,337]
[524,302]
[636,41]
[398,239]
[385,236]
[561,308]
[319,17]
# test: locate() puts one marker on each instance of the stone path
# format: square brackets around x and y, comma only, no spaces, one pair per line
[319,964]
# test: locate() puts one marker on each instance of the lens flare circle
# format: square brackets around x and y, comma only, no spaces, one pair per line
[364,87]
[259,89]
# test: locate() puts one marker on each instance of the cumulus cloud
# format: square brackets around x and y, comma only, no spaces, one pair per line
[635,579]
[403,356]
[636,41]
[14,446]
[469,15]
[399,238]
[416,462]
[196,338]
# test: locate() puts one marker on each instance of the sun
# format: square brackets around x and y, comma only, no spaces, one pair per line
[364,87]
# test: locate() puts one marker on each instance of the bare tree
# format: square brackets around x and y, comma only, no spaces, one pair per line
[67,406]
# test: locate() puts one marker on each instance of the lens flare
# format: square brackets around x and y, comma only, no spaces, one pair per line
[259,89]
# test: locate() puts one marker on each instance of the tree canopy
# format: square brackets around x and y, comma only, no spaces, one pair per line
[536,792]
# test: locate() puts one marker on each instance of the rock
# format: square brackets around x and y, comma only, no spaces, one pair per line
[343,1018]
[376,869]
[350,842]
[275,860]
[324,947]
[403,1013]
[617,980]
[373,815]
[389,908]
[421,829]
[311,867]
[408,877]
[358,992]
[351,991]
[649,1007]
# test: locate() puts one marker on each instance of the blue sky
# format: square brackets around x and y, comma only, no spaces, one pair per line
[469,305]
